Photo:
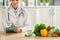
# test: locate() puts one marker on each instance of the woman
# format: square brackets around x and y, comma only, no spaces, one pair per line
[16,17]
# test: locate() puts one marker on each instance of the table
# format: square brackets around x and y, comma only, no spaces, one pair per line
[20,36]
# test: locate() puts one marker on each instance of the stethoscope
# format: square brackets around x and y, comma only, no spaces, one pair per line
[20,14]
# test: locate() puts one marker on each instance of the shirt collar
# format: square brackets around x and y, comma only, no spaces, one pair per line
[14,9]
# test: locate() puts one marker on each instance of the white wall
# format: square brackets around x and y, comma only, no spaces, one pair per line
[1,27]
[57,17]
[1,0]
[41,15]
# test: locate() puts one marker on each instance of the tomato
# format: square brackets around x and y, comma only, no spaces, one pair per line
[54,35]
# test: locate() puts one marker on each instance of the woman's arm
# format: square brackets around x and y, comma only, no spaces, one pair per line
[27,22]
[4,19]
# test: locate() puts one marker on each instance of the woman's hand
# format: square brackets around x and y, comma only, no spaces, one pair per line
[18,30]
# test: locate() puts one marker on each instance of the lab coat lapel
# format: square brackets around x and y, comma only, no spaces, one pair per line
[12,16]
[11,12]
[19,11]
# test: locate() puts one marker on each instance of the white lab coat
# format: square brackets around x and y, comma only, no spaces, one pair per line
[23,22]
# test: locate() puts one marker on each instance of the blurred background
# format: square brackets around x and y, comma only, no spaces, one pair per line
[48,14]
[36,2]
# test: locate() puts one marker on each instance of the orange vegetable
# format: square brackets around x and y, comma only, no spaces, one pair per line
[48,32]
[54,35]
[43,32]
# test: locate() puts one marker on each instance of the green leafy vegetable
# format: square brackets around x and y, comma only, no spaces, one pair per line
[38,29]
